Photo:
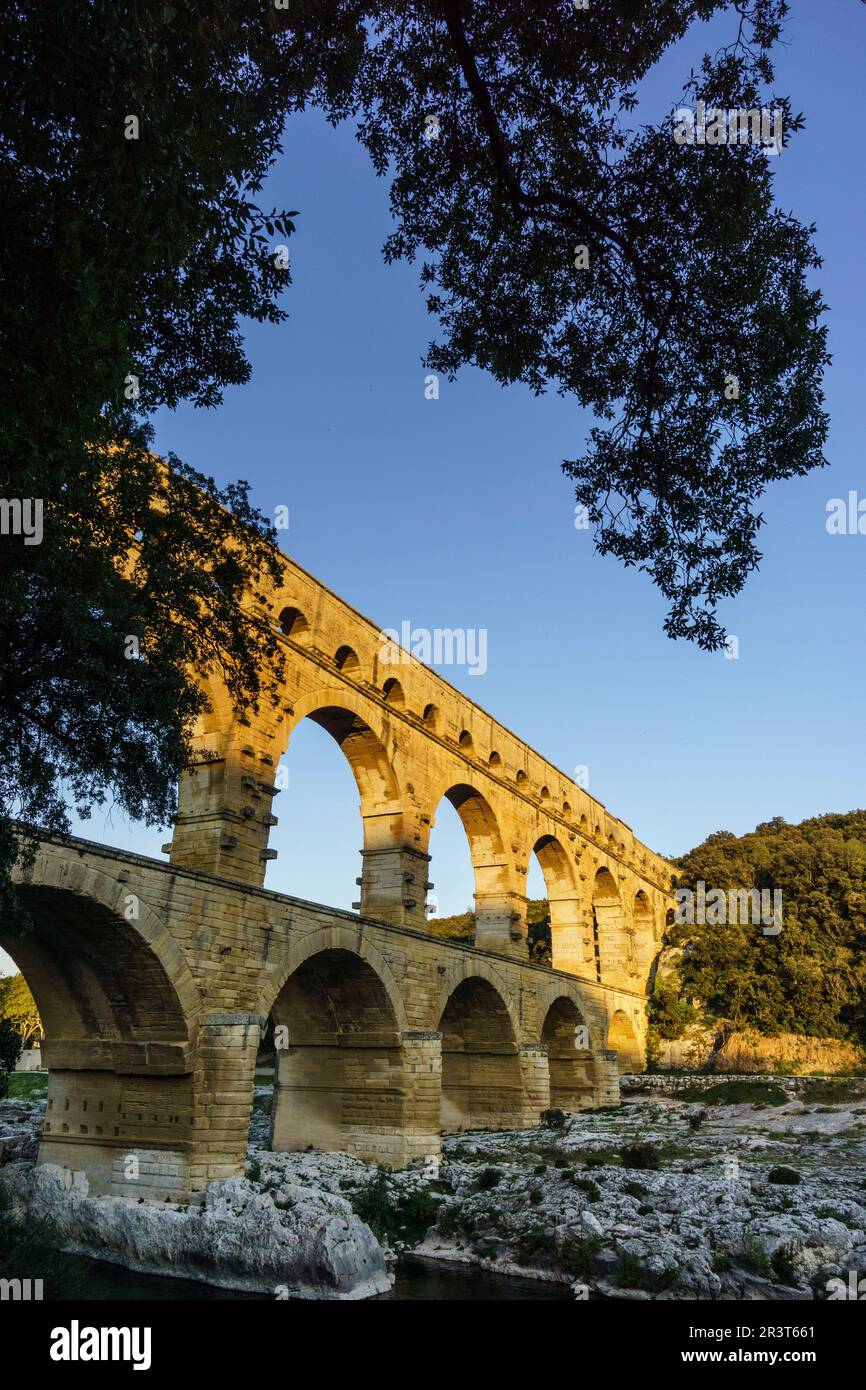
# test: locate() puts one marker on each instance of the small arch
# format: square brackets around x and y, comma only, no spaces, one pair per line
[570,1061]
[604,888]
[643,913]
[346,660]
[431,717]
[566,810]
[545,793]
[465,741]
[622,1038]
[584,824]
[481,1082]
[393,692]
[494,760]
[555,865]
[564,906]
[294,624]
[520,777]
[610,942]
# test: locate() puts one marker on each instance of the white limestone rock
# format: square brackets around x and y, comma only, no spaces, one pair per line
[307,1244]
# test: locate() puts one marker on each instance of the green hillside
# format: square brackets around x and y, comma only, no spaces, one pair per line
[810,979]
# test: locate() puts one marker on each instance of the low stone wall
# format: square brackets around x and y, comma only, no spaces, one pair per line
[30,1059]
[667,1083]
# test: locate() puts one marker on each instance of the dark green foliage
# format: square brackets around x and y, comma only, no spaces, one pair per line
[634,1189]
[577,1256]
[753,1256]
[553,1118]
[811,978]
[836,1214]
[487,1179]
[538,932]
[640,1156]
[599,1158]
[788,1177]
[590,1187]
[630,1272]
[693,272]
[10,1044]
[446,1221]
[130,258]
[4,1080]
[462,928]
[536,1245]
[142,258]
[783,1262]
[840,1092]
[416,1213]
[373,1203]
[395,1215]
[669,1014]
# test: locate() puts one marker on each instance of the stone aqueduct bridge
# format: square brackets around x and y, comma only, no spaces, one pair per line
[153,979]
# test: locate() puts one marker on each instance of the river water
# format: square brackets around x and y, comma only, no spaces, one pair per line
[417,1281]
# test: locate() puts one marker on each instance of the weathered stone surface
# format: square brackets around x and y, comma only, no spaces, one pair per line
[745,1051]
[388,1034]
[296,1242]
[20,1123]
[153,979]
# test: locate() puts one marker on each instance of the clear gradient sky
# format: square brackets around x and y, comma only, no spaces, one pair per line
[454,513]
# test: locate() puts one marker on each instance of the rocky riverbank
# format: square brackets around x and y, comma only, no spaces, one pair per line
[664,1198]
[283,1238]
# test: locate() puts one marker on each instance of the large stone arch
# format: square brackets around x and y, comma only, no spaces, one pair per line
[500,906]
[342,937]
[345,1064]
[360,732]
[482,1078]
[391,857]
[468,968]
[565,1032]
[127,921]
[121,1014]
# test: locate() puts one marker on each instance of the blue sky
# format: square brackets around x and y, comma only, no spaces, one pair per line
[454,513]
